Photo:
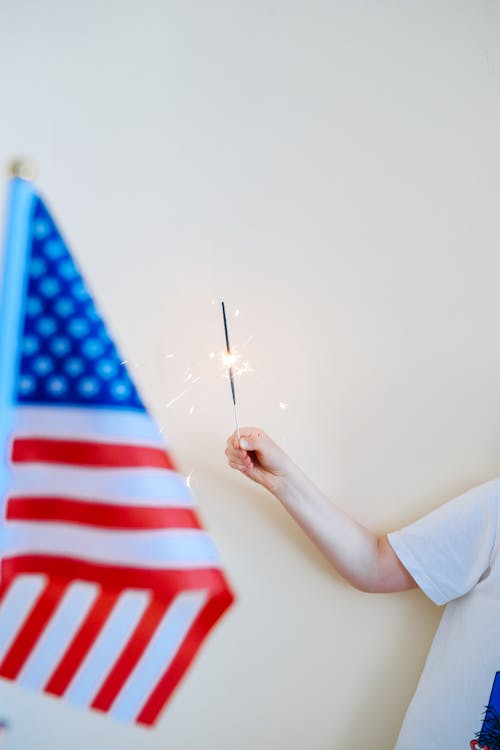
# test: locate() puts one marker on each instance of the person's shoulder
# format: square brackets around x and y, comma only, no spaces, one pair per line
[489,489]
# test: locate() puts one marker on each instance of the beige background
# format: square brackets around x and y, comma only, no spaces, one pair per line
[331,169]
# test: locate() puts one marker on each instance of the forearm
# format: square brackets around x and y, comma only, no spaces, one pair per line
[355,552]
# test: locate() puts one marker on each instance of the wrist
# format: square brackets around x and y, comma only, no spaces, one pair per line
[289,485]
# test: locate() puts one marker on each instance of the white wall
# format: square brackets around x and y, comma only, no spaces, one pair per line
[331,169]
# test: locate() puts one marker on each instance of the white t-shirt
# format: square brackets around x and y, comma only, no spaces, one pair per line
[453,556]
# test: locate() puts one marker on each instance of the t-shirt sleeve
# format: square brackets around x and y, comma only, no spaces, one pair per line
[448,551]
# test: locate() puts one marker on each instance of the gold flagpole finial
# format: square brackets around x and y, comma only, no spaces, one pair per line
[22,168]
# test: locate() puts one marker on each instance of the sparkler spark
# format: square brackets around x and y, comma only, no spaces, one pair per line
[238,366]
[244,367]
[233,361]
[189,379]
[229,360]
[173,400]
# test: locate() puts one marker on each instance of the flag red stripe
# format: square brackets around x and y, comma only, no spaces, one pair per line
[81,643]
[205,621]
[131,654]
[83,453]
[4,586]
[105,515]
[32,628]
[163,582]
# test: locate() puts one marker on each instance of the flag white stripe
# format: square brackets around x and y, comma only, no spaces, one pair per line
[154,487]
[103,425]
[107,647]
[164,548]
[160,651]
[16,606]
[58,634]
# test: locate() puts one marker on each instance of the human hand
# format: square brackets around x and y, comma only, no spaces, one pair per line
[259,458]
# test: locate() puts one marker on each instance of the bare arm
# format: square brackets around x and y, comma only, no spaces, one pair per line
[368,562]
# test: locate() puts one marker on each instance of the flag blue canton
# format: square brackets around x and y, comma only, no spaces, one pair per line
[67,356]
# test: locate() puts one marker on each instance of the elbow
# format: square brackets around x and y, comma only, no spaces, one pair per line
[367,583]
[370,577]
[369,586]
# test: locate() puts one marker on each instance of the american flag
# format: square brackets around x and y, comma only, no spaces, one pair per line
[109,584]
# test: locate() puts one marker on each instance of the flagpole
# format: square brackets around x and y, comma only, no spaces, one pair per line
[24,169]
[20,202]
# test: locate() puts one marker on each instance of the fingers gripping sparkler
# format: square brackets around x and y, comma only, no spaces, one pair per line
[229,362]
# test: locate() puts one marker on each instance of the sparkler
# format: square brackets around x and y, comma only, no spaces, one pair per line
[230,361]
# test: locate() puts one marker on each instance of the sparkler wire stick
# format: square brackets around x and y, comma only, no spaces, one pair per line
[230,369]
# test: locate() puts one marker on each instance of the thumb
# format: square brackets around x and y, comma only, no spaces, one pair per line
[251,439]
